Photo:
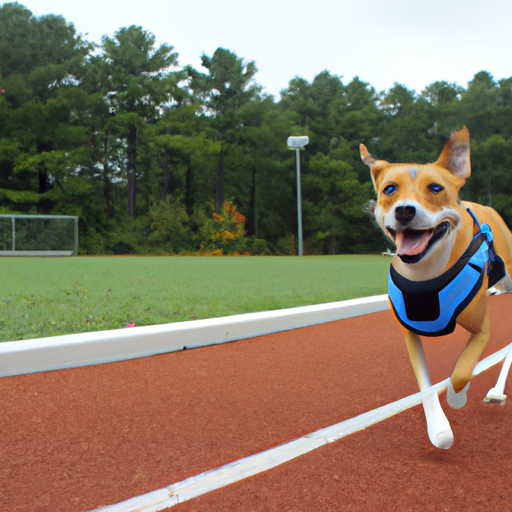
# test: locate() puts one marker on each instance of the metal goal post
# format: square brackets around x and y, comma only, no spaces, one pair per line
[38,235]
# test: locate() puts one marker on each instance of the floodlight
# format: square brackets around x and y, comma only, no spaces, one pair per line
[298,142]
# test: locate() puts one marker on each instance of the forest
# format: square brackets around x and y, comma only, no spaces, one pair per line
[159,158]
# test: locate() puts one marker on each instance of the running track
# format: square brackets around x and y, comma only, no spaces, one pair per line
[74,440]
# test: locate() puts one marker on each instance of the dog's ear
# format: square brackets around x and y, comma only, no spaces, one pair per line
[376,166]
[455,154]
[366,157]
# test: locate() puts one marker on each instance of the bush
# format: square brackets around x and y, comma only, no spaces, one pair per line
[287,246]
[225,232]
[169,228]
[92,242]
[124,241]
[258,247]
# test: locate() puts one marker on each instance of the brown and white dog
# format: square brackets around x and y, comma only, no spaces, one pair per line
[419,209]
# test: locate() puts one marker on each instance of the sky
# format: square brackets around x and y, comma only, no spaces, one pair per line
[411,42]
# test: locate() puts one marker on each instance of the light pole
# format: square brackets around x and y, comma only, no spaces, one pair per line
[297,143]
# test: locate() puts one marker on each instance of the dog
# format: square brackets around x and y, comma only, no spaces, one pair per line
[448,254]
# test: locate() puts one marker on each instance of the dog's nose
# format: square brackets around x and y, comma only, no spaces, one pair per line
[404,214]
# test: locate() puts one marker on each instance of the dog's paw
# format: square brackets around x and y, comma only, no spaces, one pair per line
[442,440]
[438,426]
[457,400]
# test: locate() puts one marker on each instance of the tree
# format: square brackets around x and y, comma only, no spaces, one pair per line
[479,111]
[186,154]
[445,99]
[223,91]
[42,61]
[139,85]
[263,176]
[334,207]
[313,104]
[30,42]
[480,106]
[406,134]
[491,158]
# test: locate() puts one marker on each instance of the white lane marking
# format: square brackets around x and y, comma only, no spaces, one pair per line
[249,466]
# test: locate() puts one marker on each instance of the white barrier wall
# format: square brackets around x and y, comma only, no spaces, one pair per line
[44,354]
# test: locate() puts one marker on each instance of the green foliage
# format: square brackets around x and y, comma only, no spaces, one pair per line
[334,202]
[223,92]
[170,228]
[143,151]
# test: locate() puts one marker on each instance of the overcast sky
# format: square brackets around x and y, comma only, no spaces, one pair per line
[413,42]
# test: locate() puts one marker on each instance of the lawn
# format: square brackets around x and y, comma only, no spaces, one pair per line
[51,296]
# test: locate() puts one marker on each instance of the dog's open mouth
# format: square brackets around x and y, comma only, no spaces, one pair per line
[413,244]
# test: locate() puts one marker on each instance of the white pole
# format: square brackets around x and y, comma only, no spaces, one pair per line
[297,143]
[299,205]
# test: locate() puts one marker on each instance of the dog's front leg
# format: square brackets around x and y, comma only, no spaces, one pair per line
[438,426]
[476,321]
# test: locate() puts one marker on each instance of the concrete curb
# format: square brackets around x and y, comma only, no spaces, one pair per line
[72,350]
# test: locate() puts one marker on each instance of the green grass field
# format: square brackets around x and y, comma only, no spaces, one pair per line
[51,296]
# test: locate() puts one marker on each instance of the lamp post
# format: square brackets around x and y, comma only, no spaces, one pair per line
[297,143]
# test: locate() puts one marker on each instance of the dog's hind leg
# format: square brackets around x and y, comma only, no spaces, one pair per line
[503,286]
[496,395]
[438,426]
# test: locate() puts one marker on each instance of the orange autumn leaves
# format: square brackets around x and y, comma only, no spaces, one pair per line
[224,233]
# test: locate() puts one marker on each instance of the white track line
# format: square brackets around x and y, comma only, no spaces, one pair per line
[259,462]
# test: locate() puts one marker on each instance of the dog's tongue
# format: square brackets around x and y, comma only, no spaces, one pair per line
[411,242]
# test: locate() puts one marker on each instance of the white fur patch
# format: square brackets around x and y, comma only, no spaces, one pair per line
[435,261]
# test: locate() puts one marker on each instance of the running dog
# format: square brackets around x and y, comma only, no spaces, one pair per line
[448,254]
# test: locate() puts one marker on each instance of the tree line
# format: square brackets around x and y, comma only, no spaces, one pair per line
[158,158]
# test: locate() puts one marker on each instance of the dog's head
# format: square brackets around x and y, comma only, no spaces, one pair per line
[418,205]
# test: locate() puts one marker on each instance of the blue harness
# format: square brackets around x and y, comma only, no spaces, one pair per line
[431,308]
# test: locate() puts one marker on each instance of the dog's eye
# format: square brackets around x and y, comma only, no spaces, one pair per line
[389,189]
[436,188]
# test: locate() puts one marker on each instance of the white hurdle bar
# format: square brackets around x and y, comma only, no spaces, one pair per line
[72,350]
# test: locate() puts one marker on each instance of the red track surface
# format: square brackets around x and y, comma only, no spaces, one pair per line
[74,440]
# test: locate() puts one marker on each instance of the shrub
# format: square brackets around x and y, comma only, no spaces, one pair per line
[287,246]
[225,232]
[169,228]
[258,247]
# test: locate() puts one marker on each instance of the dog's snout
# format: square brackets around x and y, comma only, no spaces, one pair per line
[404,214]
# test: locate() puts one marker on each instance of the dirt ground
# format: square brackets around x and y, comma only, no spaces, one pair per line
[78,439]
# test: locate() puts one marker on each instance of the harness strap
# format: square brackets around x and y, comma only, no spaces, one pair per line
[431,308]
